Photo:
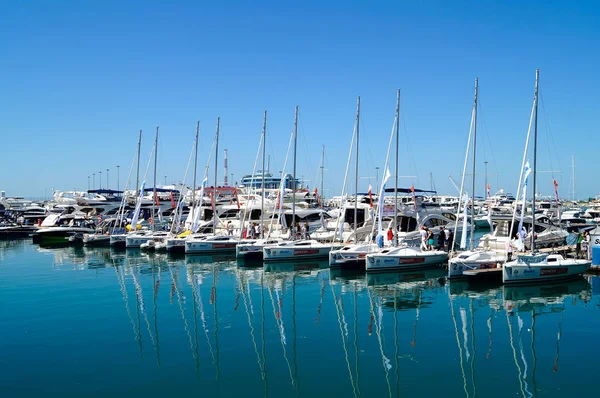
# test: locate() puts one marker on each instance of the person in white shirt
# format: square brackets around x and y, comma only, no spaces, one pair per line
[423,238]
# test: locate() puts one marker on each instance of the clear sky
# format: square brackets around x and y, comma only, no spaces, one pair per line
[79,79]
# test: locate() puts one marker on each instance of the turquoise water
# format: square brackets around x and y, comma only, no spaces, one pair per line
[81,322]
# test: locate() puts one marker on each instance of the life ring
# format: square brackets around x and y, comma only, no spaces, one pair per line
[151,221]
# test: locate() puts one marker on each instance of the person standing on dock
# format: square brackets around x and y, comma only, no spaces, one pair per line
[578,246]
[423,233]
[509,250]
[441,238]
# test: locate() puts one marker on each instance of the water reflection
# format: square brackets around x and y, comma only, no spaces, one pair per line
[281,328]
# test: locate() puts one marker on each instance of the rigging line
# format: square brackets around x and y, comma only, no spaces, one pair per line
[281,331]
[487,139]
[557,342]
[294,338]
[260,366]
[215,319]
[179,301]
[397,352]
[512,345]
[121,211]
[365,133]
[262,333]
[184,190]
[344,337]
[200,305]
[250,192]
[489,325]
[282,193]
[312,171]
[384,360]
[121,280]
[356,341]
[473,348]
[190,280]
[520,321]
[549,132]
[138,289]
[533,353]
[156,284]
[412,165]
[343,202]
[460,352]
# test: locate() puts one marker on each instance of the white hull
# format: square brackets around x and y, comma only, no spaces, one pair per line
[254,249]
[117,240]
[538,273]
[474,260]
[404,259]
[351,254]
[209,245]
[132,242]
[298,251]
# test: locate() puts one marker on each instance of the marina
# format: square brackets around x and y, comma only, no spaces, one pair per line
[182,323]
[325,199]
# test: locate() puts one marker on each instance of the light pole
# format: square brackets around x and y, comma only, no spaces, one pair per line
[94,174]
[165,180]
[118,185]
[100,178]
[377,179]
[232,182]
[88,183]
[107,180]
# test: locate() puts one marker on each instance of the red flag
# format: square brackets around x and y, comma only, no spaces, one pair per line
[412,188]
[156,201]
[172,200]
[488,190]
[370,195]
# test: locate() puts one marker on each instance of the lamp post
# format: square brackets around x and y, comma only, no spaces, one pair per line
[107,180]
[88,183]
[118,184]
[165,180]
[100,178]
[94,174]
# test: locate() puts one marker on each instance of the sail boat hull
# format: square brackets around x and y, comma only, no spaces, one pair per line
[405,259]
[518,271]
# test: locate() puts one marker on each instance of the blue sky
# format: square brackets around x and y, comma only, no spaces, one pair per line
[79,79]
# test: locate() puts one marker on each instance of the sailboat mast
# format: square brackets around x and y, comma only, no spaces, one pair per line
[294,190]
[474,154]
[395,241]
[137,180]
[262,201]
[356,171]
[214,201]
[322,172]
[535,100]
[154,189]
[486,179]
[195,168]
[573,178]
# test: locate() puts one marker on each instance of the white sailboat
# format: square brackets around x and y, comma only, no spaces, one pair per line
[294,250]
[213,243]
[540,267]
[478,258]
[401,258]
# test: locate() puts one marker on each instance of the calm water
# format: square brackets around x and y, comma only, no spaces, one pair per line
[81,322]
